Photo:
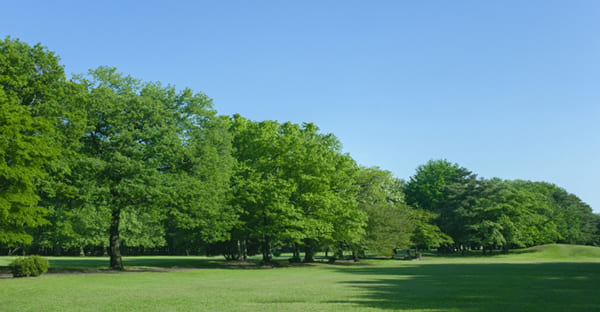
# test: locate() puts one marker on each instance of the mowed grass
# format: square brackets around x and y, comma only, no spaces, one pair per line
[547,278]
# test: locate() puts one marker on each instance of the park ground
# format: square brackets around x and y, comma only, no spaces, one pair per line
[545,278]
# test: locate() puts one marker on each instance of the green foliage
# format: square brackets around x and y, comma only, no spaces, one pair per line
[29,266]
[107,160]
[33,121]
[293,185]
[149,153]
[389,223]
[427,188]
[447,190]
[489,213]
[424,234]
[261,188]
[200,182]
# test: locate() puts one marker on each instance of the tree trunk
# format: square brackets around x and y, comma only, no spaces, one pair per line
[309,255]
[266,250]
[244,251]
[354,255]
[115,244]
[296,253]
[339,254]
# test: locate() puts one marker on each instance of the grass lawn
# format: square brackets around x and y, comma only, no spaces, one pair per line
[551,278]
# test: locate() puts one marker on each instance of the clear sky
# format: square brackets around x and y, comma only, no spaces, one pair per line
[507,89]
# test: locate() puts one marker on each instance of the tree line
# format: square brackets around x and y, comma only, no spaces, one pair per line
[106,163]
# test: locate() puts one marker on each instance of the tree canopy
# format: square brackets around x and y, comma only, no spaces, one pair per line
[35,119]
[104,163]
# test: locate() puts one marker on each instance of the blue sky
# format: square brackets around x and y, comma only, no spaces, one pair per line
[507,89]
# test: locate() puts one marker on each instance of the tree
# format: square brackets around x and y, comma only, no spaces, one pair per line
[262,190]
[449,192]
[34,122]
[326,190]
[424,234]
[497,216]
[200,183]
[426,188]
[576,221]
[144,151]
[389,224]
[293,186]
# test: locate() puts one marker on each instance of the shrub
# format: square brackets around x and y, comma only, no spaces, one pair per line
[29,266]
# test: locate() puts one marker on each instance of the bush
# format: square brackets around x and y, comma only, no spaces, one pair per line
[29,266]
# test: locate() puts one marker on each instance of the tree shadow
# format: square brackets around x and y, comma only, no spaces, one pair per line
[143,264]
[479,287]
[138,264]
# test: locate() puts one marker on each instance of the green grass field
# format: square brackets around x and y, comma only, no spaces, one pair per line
[546,278]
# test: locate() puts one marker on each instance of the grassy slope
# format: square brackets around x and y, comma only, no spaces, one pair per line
[565,279]
[559,252]
[539,254]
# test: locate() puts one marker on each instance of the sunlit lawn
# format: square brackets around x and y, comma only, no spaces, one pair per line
[519,282]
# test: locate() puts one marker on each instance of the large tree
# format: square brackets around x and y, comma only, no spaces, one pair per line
[326,190]
[200,181]
[449,192]
[148,153]
[38,120]
[293,186]
[262,188]
[426,188]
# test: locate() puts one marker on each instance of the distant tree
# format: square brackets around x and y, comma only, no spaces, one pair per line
[425,189]
[576,221]
[537,223]
[389,224]
[449,192]
[426,235]
[496,219]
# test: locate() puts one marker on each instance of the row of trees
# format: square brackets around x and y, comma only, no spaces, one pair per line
[476,212]
[104,160]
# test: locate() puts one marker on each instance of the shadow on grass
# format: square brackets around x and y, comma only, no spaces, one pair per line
[59,265]
[72,265]
[142,264]
[479,287]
